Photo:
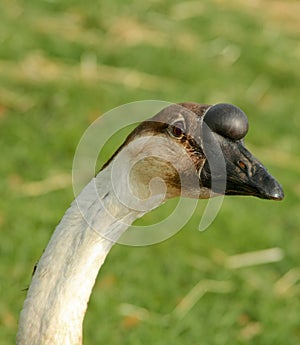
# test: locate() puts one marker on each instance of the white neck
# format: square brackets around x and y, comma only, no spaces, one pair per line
[65,275]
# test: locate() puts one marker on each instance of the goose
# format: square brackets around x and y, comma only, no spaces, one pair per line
[187,149]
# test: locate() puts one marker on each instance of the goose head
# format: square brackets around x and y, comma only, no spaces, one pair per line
[196,150]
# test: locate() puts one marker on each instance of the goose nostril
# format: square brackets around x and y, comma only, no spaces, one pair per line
[242,165]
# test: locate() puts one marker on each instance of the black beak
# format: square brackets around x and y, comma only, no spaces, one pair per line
[245,175]
[258,182]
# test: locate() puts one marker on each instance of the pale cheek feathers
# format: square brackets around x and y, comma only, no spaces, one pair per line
[167,159]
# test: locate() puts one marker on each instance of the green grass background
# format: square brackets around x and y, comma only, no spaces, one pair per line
[62,64]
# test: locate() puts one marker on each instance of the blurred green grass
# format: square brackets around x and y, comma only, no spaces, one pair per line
[62,64]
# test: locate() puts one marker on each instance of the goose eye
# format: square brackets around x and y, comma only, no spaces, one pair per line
[177,129]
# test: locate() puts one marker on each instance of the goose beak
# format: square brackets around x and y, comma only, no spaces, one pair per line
[245,175]
[267,186]
[260,183]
